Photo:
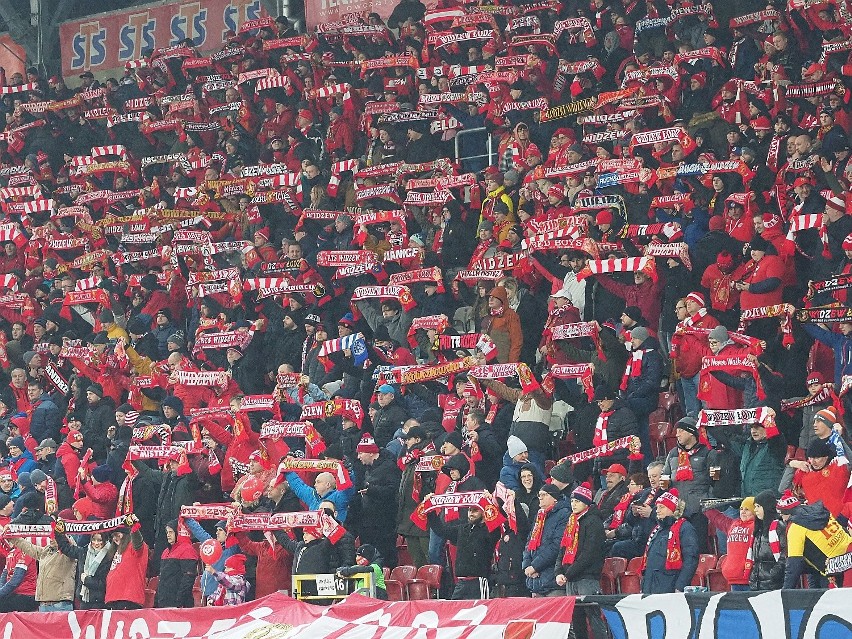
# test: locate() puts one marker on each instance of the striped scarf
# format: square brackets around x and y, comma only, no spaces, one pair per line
[774,546]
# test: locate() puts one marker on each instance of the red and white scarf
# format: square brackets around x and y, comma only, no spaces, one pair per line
[633,368]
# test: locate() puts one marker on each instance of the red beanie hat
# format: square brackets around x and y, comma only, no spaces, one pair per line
[236,564]
[669,499]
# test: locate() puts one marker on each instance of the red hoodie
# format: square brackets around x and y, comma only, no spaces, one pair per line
[126,578]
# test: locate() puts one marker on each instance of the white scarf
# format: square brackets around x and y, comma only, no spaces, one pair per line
[90,567]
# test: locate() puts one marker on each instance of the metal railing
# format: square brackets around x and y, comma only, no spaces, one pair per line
[331,586]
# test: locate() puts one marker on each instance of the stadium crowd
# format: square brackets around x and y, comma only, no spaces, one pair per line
[287,304]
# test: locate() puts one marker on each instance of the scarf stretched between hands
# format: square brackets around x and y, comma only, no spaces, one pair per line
[630,442]
[492,516]
[583,372]
[732,366]
[344,481]
[739,416]
[501,371]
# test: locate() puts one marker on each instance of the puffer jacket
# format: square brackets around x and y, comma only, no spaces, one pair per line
[767,573]
[543,558]
[697,488]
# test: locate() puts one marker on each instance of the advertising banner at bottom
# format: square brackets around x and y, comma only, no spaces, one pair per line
[280,617]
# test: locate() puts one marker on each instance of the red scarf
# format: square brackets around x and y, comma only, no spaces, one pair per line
[497,312]
[620,511]
[538,529]
[571,539]
[684,468]
[674,556]
[480,251]
[452,514]
[600,438]
[634,367]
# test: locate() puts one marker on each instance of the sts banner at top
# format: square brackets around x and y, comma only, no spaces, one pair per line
[104,42]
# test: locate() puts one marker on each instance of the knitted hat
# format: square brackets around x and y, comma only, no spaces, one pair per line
[37,476]
[766,499]
[101,473]
[583,493]
[236,564]
[562,473]
[640,333]
[716,223]
[835,203]
[847,243]
[696,297]
[24,481]
[485,225]
[719,333]
[827,415]
[815,377]
[669,499]
[515,446]
[761,123]
[603,217]
[748,504]
[18,442]
[74,437]
[454,439]
[367,445]
[689,424]
[96,389]
[788,501]
[820,448]
[634,313]
[556,191]
[604,391]
[551,490]
[368,552]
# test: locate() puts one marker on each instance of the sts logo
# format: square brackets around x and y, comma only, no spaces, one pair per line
[136,35]
[189,22]
[88,48]
[237,12]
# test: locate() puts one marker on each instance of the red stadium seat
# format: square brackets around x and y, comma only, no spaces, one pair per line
[418,590]
[630,583]
[705,563]
[431,575]
[613,568]
[404,574]
[395,590]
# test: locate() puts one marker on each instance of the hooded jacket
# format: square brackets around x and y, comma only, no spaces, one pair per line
[767,573]
[505,330]
[57,573]
[178,568]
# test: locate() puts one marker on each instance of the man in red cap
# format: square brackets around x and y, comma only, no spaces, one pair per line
[611,493]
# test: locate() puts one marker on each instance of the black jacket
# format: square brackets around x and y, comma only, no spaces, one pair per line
[488,468]
[312,558]
[610,499]
[379,502]
[96,583]
[622,423]
[177,577]
[767,573]
[388,420]
[99,417]
[588,562]
[475,545]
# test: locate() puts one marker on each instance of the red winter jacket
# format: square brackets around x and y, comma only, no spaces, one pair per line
[104,498]
[692,348]
[274,565]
